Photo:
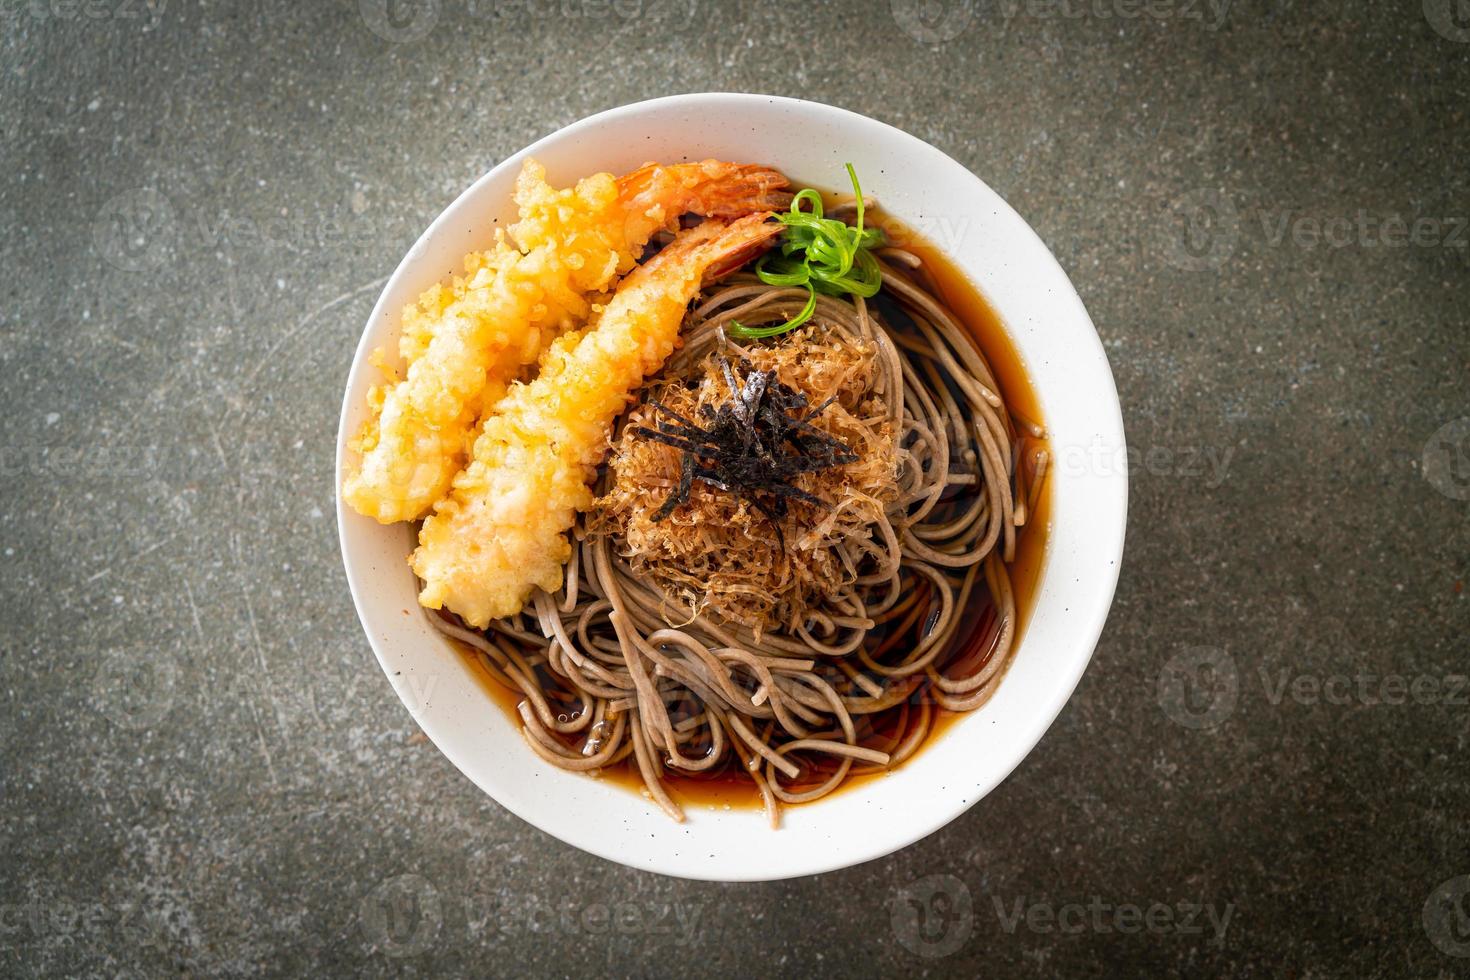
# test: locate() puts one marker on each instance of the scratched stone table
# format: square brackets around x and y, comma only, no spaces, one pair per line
[1263,204]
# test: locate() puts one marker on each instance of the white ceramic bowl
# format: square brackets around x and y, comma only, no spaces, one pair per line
[1013,269]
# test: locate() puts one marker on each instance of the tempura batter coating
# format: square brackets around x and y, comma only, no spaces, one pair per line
[502,530]
[465,342]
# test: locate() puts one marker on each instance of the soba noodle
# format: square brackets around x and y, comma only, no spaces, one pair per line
[611,670]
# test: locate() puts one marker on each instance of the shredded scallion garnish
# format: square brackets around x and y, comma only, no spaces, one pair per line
[823,254]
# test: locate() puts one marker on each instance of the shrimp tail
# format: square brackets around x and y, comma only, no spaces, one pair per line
[712,249]
[712,188]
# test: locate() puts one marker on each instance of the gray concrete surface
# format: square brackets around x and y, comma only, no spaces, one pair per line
[204,771]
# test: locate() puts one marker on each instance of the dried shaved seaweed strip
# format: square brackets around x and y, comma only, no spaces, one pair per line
[829,400]
[729,376]
[685,444]
[674,429]
[752,394]
[774,514]
[672,414]
[815,464]
[681,495]
[713,478]
[795,493]
[752,446]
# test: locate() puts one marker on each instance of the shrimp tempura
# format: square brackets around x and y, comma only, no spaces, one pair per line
[502,530]
[465,342]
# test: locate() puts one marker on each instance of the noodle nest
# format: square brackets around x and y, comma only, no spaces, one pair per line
[701,646]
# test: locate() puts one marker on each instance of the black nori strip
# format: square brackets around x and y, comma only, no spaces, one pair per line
[686,480]
[753,446]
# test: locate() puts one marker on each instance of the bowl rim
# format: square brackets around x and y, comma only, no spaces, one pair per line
[1021,744]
